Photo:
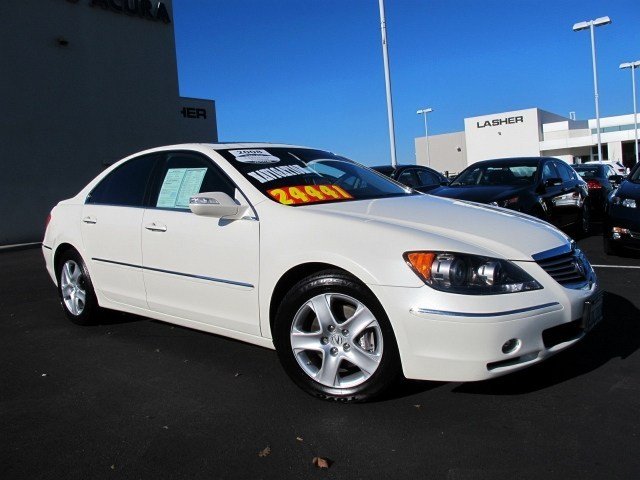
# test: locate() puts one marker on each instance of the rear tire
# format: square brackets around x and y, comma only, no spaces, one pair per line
[609,247]
[334,339]
[583,225]
[75,289]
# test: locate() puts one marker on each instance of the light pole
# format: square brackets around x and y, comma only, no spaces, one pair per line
[633,66]
[387,80]
[424,113]
[591,24]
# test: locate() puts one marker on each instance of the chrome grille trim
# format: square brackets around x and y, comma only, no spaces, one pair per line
[554,252]
[567,266]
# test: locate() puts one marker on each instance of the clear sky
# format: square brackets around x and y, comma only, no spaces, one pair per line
[310,72]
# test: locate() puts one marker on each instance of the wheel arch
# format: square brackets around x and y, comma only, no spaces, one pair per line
[59,252]
[293,276]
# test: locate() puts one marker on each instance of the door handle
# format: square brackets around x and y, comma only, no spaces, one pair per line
[156,227]
[90,220]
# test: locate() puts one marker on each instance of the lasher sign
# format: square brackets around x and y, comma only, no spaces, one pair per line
[141,8]
[496,122]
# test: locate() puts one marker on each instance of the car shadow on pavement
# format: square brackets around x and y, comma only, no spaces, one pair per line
[618,336]
[626,253]
[406,388]
[114,317]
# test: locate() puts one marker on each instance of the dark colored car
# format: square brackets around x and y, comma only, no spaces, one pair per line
[544,187]
[601,180]
[423,179]
[622,215]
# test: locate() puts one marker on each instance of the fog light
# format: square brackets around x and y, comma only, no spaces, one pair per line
[511,346]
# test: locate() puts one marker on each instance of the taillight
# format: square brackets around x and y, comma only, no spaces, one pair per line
[46,223]
[593,185]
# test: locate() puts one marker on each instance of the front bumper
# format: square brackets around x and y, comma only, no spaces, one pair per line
[627,219]
[447,337]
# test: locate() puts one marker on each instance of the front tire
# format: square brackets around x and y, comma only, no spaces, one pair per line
[334,339]
[75,289]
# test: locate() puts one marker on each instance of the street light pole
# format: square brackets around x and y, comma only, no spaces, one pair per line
[424,113]
[633,66]
[591,24]
[387,79]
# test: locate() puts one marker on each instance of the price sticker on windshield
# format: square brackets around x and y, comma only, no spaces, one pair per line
[302,194]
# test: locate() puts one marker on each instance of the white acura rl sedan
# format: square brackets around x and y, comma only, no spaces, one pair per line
[353,278]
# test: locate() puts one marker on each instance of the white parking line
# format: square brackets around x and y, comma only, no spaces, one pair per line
[615,266]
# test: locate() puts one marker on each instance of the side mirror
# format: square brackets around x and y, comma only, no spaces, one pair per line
[552,182]
[216,204]
[616,179]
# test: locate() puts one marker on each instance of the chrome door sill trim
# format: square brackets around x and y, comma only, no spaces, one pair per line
[189,275]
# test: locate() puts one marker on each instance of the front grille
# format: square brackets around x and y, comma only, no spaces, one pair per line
[567,268]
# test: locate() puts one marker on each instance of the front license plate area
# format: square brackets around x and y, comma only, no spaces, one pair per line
[592,314]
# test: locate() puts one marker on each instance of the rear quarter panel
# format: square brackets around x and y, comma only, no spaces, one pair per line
[63,228]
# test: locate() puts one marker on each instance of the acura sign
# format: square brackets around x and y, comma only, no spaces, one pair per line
[156,11]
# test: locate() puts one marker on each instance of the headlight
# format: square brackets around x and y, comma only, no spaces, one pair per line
[625,202]
[469,274]
[509,202]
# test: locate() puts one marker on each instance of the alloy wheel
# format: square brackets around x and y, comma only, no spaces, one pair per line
[336,340]
[72,287]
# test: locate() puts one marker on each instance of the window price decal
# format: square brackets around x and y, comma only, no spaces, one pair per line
[301,194]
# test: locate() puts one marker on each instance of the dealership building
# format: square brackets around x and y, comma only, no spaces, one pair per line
[84,83]
[529,133]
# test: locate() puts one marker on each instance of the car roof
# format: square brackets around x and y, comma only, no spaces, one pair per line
[381,168]
[603,162]
[226,145]
[589,164]
[513,160]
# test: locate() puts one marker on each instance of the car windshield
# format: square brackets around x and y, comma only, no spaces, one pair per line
[511,174]
[587,172]
[635,178]
[300,176]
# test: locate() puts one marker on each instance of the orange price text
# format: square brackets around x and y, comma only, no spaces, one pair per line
[301,194]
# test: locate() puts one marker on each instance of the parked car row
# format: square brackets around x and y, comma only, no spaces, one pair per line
[622,215]
[545,188]
[353,278]
[569,197]
[601,180]
[423,179]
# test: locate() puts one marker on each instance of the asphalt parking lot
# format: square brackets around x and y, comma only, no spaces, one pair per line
[137,398]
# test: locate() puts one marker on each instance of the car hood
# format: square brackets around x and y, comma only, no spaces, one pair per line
[628,189]
[481,193]
[500,232]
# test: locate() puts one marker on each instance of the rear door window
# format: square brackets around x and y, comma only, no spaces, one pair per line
[426,178]
[565,171]
[549,171]
[409,178]
[127,185]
